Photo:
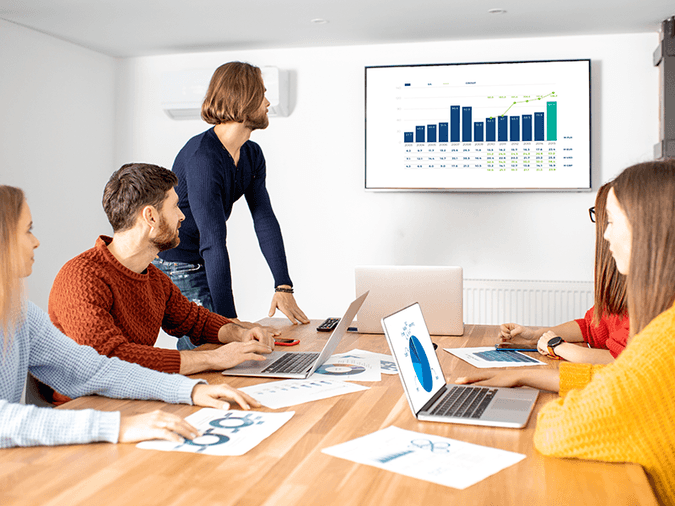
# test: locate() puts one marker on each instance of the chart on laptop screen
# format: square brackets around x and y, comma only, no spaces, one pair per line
[416,357]
[501,125]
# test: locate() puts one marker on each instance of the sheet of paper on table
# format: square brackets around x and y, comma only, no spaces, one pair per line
[284,393]
[350,367]
[426,457]
[487,357]
[224,432]
[387,363]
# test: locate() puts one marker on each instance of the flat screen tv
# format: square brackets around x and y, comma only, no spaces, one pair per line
[496,126]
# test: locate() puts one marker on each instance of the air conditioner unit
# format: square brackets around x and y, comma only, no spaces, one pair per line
[183,92]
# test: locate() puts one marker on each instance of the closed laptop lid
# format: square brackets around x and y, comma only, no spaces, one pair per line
[437,289]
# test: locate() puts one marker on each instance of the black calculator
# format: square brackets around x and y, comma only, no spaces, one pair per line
[328,324]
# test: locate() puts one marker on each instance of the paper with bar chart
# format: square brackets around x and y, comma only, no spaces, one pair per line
[479,127]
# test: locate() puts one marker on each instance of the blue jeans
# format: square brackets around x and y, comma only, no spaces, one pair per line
[191,281]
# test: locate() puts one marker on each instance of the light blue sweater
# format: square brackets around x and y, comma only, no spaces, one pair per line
[37,346]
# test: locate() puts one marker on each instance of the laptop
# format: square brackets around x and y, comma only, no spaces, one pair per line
[298,364]
[437,289]
[430,398]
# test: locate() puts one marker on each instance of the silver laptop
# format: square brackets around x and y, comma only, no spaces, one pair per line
[430,398]
[298,364]
[438,289]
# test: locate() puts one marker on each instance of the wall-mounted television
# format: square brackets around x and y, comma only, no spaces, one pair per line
[495,126]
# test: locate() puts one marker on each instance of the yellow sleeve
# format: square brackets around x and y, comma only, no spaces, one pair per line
[576,376]
[625,411]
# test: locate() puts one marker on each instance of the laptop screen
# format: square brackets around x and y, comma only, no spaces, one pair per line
[411,345]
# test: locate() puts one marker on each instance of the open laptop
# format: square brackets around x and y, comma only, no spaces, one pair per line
[438,289]
[430,398]
[297,364]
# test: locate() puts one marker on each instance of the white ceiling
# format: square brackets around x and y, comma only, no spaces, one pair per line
[124,28]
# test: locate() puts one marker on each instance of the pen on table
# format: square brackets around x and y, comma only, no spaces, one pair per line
[515,349]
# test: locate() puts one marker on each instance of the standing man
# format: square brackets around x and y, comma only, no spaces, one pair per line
[215,169]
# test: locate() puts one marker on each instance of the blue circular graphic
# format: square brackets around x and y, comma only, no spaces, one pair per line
[207,440]
[340,369]
[420,363]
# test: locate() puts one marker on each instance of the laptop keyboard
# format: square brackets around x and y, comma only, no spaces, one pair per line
[292,363]
[464,402]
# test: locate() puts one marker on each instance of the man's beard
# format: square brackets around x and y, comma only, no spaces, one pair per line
[258,123]
[166,237]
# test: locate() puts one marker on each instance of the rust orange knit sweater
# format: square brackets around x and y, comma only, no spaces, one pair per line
[622,412]
[97,301]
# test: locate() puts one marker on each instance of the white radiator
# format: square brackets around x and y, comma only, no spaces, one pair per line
[536,303]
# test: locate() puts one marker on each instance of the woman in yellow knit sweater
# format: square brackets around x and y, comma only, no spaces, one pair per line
[624,412]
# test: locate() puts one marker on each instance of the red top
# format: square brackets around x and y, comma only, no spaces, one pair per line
[97,301]
[611,334]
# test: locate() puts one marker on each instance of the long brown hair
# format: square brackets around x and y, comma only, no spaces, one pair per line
[610,284]
[11,202]
[235,93]
[646,193]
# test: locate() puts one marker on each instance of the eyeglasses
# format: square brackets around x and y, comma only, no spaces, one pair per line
[591,213]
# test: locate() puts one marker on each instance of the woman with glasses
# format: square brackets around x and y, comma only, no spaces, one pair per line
[624,411]
[604,328]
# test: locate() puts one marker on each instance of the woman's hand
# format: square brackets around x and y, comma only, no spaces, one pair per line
[542,344]
[155,425]
[543,379]
[211,396]
[494,379]
[514,333]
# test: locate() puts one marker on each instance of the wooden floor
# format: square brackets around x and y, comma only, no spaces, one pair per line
[288,468]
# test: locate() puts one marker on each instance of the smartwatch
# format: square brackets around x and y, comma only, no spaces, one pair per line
[551,345]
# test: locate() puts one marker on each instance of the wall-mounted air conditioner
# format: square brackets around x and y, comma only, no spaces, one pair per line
[183,92]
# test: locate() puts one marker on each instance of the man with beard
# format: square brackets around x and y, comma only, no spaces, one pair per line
[113,299]
[215,169]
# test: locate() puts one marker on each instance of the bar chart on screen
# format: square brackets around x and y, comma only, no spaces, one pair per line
[523,125]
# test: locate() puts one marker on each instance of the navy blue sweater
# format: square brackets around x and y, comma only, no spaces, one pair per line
[208,186]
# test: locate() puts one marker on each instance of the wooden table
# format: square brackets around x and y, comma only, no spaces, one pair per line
[288,468]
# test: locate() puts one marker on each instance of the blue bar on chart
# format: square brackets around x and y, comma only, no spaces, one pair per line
[490,130]
[515,128]
[431,133]
[502,129]
[454,123]
[419,134]
[478,131]
[538,126]
[442,132]
[467,124]
[527,127]
[408,136]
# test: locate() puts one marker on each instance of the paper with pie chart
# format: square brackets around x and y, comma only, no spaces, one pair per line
[224,432]
[387,363]
[350,367]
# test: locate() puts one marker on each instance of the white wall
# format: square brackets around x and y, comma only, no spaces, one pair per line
[315,160]
[56,142]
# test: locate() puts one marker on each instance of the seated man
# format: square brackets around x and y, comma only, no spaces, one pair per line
[113,299]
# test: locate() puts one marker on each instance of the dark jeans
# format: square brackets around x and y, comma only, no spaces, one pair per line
[191,281]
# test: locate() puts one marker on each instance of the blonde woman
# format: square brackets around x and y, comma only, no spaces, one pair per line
[29,342]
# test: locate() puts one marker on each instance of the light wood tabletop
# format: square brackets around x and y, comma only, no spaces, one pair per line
[288,468]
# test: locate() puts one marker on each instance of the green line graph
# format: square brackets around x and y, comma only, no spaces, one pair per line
[552,95]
